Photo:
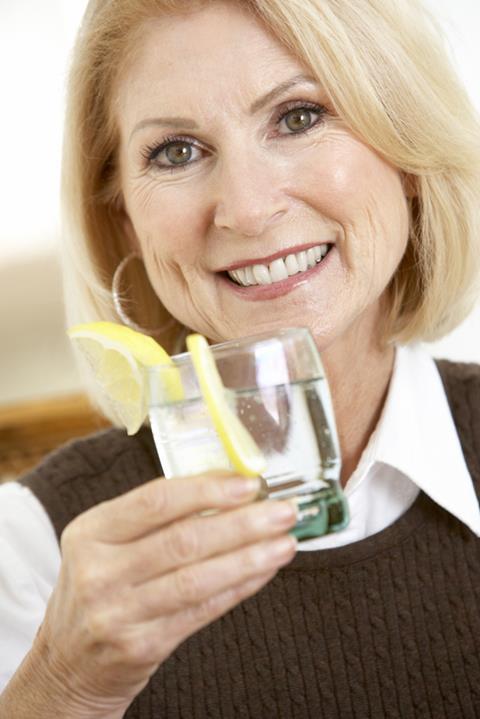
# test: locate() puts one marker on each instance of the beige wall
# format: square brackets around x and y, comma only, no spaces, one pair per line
[35,357]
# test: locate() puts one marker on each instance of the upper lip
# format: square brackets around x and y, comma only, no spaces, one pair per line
[270,258]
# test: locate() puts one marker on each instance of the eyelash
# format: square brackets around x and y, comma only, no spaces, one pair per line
[151,152]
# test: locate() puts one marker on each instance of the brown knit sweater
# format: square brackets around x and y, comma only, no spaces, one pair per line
[385,627]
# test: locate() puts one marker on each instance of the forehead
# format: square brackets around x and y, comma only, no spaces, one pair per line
[220,52]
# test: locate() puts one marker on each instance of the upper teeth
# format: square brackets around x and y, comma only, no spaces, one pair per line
[279,269]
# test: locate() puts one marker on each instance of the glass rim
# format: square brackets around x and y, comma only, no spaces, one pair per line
[239,342]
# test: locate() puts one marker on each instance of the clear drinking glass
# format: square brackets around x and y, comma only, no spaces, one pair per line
[276,385]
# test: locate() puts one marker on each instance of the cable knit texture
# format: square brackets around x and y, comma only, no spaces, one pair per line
[385,627]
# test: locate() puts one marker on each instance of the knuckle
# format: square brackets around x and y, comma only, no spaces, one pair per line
[188,588]
[253,559]
[99,627]
[154,498]
[210,488]
[138,650]
[205,611]
[141,564]
[205,490]
[90,583]
[246,525]
[183,542]
[72,536]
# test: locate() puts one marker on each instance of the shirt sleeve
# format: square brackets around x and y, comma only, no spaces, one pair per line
[29,567]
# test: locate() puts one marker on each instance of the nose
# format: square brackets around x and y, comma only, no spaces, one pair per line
[250,197]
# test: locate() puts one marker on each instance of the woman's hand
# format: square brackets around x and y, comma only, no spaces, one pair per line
[144,571]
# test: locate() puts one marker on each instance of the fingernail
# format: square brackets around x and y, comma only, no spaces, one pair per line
[281,513]
[263,490]
[239,487]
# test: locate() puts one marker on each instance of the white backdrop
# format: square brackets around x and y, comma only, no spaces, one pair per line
[35,40]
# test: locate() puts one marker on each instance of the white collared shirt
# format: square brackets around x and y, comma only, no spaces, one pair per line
[414,447]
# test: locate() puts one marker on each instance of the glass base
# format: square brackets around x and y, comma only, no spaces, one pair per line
[324,512]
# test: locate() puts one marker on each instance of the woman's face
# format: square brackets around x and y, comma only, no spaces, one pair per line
[237,177]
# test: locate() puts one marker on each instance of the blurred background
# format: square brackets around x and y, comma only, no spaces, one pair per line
[40,392]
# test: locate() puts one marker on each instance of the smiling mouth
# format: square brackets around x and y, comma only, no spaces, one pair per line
[279,269]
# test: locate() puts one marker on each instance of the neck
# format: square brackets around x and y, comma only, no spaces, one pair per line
[358,374]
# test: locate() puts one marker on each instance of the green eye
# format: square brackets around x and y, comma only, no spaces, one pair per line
[178,153]
[298,120]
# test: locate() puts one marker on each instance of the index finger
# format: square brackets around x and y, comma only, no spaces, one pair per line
[157,503]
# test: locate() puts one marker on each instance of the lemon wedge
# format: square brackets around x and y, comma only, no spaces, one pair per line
[238,443]
[118,357]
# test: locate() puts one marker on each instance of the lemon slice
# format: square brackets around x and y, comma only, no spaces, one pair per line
[239,445]
[118,357]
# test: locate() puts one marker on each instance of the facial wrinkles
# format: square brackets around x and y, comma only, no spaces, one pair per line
[163,268]
[199,305]
[142,196]
[324,179]
[179,220]
[179,287]
[372,260]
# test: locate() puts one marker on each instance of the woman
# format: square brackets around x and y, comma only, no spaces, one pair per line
[218,142]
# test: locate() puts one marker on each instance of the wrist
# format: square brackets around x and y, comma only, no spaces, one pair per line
[40,690]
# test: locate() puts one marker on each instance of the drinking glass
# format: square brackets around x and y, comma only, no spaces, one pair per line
[276,386]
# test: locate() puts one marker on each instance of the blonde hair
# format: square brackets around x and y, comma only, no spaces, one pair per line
[386,69]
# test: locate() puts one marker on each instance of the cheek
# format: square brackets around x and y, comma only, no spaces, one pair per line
[348,180]
[167,220]
[353,186]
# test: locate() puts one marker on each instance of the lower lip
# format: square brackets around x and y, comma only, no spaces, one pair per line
[278,289]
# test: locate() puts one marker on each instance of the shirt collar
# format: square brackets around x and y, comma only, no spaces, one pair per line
[416,435]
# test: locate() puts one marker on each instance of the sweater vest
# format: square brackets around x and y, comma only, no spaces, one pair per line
[385,627]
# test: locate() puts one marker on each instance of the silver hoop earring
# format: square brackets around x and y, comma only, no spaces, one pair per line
[117,301]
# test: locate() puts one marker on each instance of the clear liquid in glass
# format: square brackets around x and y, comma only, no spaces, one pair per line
[293,426]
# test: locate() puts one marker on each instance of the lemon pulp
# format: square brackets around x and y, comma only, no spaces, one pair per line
[118,357]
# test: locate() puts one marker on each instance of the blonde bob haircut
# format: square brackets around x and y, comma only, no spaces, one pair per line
[387,71]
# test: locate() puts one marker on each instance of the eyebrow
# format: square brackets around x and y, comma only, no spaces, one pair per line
[280,90]
[176,122]
[187,123]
